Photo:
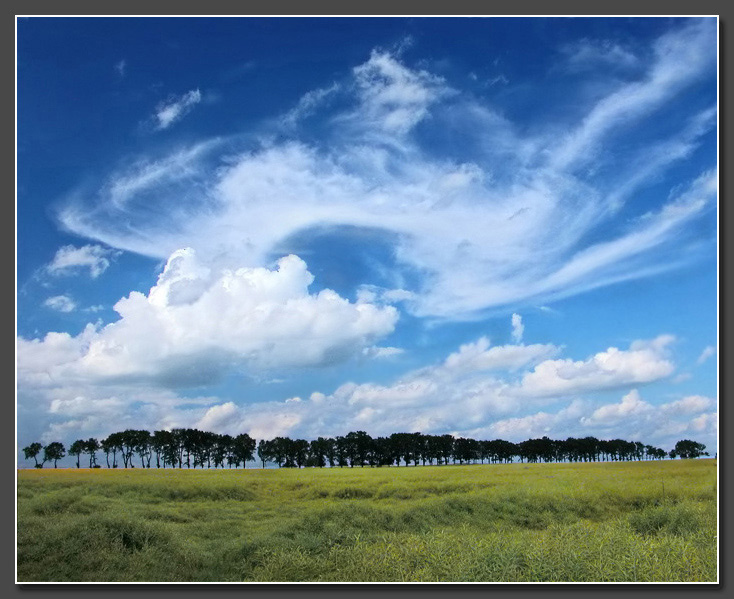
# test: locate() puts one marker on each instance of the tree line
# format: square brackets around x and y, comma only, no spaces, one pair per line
[195,448]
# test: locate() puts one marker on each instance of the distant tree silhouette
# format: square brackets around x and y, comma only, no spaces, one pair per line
[92,446]
[208,449]
[32,451]
[265,452]
[244,449]
[319,451]
[53,452]
[687,449]
[77,448]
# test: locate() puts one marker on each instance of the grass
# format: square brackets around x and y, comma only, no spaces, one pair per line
[593,522]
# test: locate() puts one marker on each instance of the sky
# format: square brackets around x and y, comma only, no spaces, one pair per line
[489,227]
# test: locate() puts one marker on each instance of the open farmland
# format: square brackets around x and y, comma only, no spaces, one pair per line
[621,521]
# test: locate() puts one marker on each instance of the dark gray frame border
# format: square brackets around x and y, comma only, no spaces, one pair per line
[380,8]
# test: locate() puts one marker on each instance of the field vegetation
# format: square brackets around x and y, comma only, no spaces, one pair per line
[585,521]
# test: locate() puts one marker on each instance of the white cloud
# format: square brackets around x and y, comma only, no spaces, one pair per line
[692,404]
[217,417]
[308,103]
[382,352]
[644,362]
[543,210]
[69,259]
[476,391]
[534,425]
[121,67]
[517,328]
[680,56]
[479,356]
[469,392]
[705,423]
[197,323]
[631,418]
[395,98]
[631,405]
[586,54]
[61,303]
[708,352]
[175,109]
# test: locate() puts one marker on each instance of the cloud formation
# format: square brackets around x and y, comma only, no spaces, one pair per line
[632,418]
[644,362]
[517,328]
[587,54]
[70,259]
[525,217]
[708,352]
[61,303]
[175,109]
[479,390]
[196,324]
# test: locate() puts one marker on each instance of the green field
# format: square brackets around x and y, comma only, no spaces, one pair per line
[621,521]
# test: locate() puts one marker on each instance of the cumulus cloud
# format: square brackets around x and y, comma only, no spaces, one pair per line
[175,109]
[478,390]
[631,405]
[70,259]
[479,356]
[534,425]
[472,392]
[510,221]
[61,303]
[197,323]
[692,404]
[632,418]
[643,362]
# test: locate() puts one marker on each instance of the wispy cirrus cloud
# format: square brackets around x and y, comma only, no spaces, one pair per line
[707,353]
[523,218]
[175,108]
[70,259]
[588,54]
[121,68]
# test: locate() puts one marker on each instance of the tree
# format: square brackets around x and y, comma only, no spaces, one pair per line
[127,441]
[319,451]
[113,444]
[222,451]
[142,446]
[243,448]
[358,445]
[53,452]
[161,442]
[92,446]
[265,451]
[77,448]
[32,451]
[687,449]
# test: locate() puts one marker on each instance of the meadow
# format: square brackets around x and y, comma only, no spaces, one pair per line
[580,522]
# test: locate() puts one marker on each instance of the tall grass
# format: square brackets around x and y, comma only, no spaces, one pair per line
[510,522]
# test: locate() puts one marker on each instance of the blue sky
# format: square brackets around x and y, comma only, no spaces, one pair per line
[493,227]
